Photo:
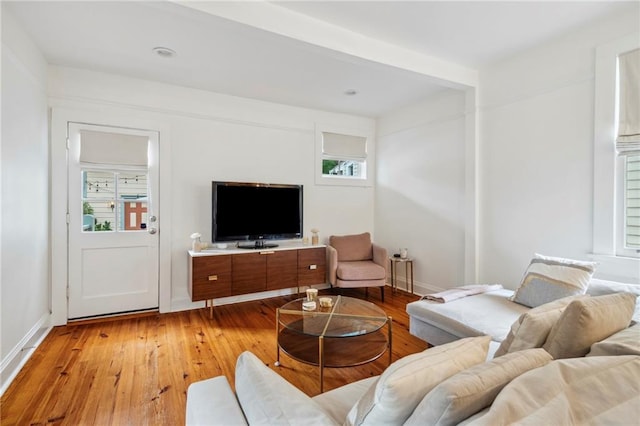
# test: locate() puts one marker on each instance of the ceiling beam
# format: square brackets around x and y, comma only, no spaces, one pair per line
[279,20]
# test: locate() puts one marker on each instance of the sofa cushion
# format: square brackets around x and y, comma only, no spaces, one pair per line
[473,389]
[532,328]
[360,270]
[550,278]
[352,247]
[268,399]
[624,342]
[394,396]
[589,320]
[578,391]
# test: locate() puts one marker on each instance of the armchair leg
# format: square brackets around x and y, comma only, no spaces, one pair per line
[382,293]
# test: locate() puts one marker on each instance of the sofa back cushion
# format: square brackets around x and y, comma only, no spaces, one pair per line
[471,390]
[624,342]
[352,247]
[268,399]
[587,321]
[579,391]
[532,328]
[398,391]
[551,278]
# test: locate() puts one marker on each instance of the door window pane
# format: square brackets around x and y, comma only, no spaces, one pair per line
[114,200]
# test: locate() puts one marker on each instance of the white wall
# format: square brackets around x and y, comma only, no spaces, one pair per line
[25,199]
[219,137]
[536,152]
[420,191]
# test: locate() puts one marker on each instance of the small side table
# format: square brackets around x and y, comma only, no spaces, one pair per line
[408,262]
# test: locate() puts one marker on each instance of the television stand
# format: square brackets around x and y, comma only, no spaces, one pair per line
[257,245]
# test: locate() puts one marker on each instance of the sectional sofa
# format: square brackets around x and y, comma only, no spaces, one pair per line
[573,358]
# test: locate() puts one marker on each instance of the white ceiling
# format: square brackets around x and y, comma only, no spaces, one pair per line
[289,62]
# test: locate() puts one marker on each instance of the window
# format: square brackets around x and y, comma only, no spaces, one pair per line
[114,200]
[628,149]
[343,157]
[631,198]
[615,191]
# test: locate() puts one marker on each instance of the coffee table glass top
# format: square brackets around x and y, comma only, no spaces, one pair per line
[347,317]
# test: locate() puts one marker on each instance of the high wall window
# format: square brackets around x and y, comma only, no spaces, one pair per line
[344,157]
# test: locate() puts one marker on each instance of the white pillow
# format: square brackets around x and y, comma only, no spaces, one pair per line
[473,389]
[551,278]
[268,399]
[399,390]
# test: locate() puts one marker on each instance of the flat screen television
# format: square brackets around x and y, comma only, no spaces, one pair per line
[256,212]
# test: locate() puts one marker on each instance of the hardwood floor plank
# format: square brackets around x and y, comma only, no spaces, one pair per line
[136,370]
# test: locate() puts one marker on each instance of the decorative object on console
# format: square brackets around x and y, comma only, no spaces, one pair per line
[404,253]
[195,244]
[551,278]
[314,237]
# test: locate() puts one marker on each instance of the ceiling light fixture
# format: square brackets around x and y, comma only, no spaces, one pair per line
[164,52]
[351,92]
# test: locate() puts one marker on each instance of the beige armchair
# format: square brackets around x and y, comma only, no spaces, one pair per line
[354,261]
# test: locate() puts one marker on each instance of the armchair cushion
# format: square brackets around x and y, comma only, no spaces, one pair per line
[352,247]
[360,270]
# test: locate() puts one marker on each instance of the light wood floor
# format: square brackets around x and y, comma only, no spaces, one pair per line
[136,371]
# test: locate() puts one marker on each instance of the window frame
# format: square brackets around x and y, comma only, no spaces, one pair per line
[336,180]
[608,179]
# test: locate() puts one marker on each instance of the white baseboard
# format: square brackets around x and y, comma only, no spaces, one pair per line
[20,354]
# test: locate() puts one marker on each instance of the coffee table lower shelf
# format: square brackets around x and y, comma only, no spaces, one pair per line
[334,352]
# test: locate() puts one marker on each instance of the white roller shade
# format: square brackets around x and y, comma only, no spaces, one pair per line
[344,146]
[628,140]
[113,148]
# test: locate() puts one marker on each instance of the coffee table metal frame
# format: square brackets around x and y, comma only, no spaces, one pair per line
[299,344]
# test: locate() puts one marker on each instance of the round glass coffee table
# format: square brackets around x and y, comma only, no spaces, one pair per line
[349,333]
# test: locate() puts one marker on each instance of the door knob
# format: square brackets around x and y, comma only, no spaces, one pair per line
[153,219]
[152,231]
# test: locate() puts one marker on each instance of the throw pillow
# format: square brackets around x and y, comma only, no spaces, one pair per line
[533,327]
[551,278]
[624,342]
[266,398]
[401,387]
[589,320]
[473,389]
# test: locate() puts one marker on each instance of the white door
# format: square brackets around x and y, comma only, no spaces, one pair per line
[113,224]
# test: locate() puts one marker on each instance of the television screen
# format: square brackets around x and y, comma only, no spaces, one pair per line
[256,211]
